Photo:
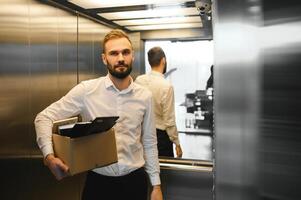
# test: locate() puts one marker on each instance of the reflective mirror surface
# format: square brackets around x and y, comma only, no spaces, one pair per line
[189,72]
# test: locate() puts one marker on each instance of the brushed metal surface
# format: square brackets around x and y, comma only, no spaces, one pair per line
[138,65]
[28,179]
[53,58]
[90,35]
[38,65]
[257,87]
[280,119]
[186,185]
[14,77]
[237,98]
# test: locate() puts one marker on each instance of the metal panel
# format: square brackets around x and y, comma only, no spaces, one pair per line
[280,119]
[186,185]
[90,35]
[67,51]
[14,78]
[85,49]
[237,98]
[53,56]
[258,99]
[53,63]
[138,67]
[38,65]
[98,33]
[43,38]
[25,179]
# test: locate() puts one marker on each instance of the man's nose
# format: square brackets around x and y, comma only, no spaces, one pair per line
[120,56]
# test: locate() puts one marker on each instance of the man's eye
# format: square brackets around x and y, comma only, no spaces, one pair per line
[114,53]
[126,52]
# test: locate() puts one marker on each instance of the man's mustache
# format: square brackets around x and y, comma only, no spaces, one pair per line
[121,65]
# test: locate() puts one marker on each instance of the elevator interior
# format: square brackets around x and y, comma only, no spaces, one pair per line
[47,47]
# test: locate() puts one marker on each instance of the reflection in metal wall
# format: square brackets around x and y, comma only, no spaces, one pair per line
[236,88]
[52,69]
[14,78]
[257,85]
[186,185]
[90,36]
[38,65]
[281,120]
[138,66]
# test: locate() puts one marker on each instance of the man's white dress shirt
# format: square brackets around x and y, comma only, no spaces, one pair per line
[163,102]
[134,130]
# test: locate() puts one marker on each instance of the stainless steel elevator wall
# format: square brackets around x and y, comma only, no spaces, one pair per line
[90,35]
[257,96]
[237,98]
[44,52]
[38,65]
[280,119]
[14,79]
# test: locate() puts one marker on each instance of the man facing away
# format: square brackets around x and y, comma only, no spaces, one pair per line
[113,95]
[163,101]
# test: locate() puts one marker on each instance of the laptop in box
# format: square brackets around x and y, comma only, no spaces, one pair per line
[98,125]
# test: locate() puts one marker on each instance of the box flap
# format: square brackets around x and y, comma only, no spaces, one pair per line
[58,123]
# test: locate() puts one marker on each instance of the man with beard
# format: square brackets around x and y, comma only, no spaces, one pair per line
[113,95]
[163,103]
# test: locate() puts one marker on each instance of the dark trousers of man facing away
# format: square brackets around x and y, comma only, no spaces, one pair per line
[165,146]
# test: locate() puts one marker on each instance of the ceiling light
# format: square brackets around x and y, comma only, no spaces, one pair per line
[165,20]
[164,26]
[88,4]
[150,13]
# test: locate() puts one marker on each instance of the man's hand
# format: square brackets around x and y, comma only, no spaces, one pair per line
[179,151]
[56,166]
[156,193]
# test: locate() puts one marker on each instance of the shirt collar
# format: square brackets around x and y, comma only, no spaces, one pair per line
[109,83]
[155,73]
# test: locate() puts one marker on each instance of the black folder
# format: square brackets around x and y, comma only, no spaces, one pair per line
[98,125]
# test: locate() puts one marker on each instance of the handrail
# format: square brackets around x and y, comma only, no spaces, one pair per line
[187,165]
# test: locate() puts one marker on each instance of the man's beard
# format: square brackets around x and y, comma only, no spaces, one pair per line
[120,74]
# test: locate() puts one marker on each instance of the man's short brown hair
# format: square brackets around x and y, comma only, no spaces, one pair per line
[155,55]
[114,34]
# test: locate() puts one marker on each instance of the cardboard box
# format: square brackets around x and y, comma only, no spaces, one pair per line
[88,152]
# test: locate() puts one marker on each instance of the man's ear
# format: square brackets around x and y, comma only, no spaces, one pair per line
[163,61]
[133,53]
[104,59]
